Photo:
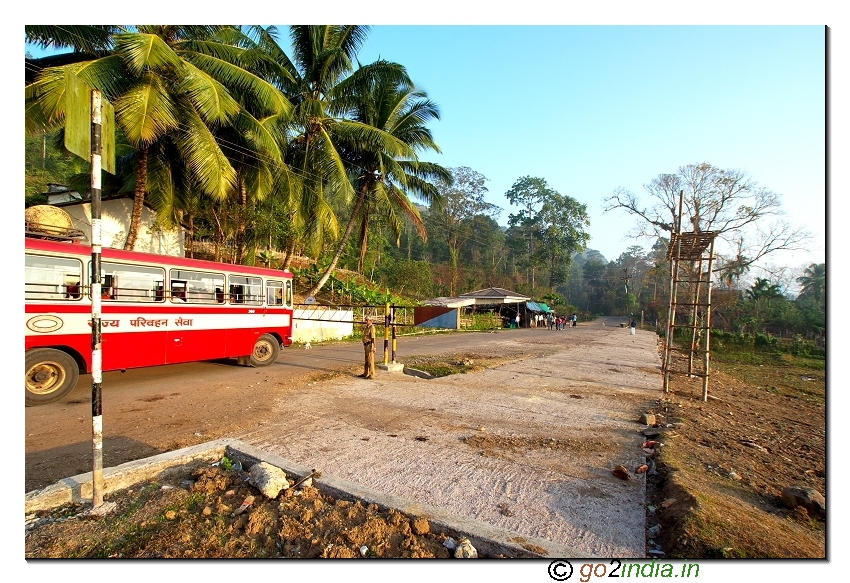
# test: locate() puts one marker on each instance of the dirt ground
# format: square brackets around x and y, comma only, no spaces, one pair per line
[198,517]
[712,489]
[727,461]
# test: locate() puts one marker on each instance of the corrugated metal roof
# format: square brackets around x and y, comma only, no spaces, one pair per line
[449,302]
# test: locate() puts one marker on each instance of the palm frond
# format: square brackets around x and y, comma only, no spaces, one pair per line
[141,52]
[213,101]
[146,112]
[85,38]
[204,158]
[268,99]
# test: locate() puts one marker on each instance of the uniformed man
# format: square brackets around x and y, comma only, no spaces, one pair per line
[369,349]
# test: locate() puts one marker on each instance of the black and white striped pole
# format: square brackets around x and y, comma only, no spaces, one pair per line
[96,340]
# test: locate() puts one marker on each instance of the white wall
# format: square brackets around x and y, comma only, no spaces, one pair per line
[315,325]
[115,218]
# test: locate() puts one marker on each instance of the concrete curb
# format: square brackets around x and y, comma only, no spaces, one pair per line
[78,489]
[391,367]
[487,539]
[418,373]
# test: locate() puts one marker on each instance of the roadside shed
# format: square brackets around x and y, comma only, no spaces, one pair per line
[444,312]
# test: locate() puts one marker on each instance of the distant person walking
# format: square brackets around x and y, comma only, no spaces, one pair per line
[575,320]
[632,326]
[369,349]
[517,319]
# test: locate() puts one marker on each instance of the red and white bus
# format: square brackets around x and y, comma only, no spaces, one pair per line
[155,310]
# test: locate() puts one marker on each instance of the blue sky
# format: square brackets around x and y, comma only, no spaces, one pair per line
[593,108]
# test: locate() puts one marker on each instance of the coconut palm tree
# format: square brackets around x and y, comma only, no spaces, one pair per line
[382,154]
[813,282]
[172,88]
[322,57]
[762,289]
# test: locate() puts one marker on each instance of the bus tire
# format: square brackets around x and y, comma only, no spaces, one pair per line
[50,375]
[265,352]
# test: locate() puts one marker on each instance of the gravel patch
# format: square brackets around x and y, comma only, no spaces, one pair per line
[528,446]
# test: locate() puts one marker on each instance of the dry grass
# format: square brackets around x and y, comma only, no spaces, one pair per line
[726,491]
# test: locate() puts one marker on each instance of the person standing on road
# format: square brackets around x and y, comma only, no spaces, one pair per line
[632,326]
[369,349]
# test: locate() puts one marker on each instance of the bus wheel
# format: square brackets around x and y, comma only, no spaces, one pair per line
[50,375]
[265,351]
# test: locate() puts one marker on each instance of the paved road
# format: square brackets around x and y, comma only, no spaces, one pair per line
[294,361]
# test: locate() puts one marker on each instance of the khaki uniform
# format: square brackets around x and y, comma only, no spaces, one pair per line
[369,349]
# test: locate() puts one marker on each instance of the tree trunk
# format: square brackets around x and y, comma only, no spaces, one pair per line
[241,217]
[364,243]
[290,251]
[348,230]
[138,199]
[192,236]
[218,236]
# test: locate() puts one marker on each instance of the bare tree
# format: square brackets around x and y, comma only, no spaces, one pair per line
[746,216]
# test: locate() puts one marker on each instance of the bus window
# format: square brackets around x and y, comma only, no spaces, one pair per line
[245,290]
[178,290]
[73,291]
[199,287]
[274,293]
[52,278]
[131,283]
[288,298]
[107,287]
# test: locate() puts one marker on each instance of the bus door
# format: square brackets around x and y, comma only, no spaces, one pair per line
[245,294]
[197,325]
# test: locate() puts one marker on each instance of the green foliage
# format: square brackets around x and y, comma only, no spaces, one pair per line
[550,222]
[486,321]
[346,291]
[462,200]
[802,347]
[412,279]
[45,161]
[553,299]
[741,343]
[813,283]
